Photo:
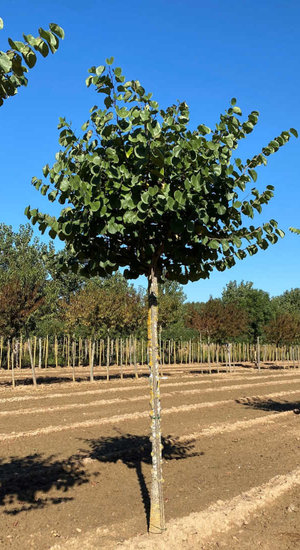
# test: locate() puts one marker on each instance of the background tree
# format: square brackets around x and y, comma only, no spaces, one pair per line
[288,302]
[216,321]
[105,306]
[23,279]
[145,192]
[283,329]
[18,302]
[12,68]
[171,309]
[255,302]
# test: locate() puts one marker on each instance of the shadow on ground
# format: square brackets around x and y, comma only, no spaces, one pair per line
[269,404]
[24,481]
[49,380]
[133,451]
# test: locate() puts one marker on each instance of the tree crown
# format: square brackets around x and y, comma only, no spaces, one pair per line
[143,189]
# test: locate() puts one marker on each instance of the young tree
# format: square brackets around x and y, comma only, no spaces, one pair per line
[255,302]
[216,320]
[104,305]
[18,302]
[12,70]
[284,329]
[171,299]
[145,192]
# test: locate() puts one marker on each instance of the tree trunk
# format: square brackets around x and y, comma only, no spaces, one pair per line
[157,516]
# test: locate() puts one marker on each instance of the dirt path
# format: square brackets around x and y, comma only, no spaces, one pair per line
[81,480]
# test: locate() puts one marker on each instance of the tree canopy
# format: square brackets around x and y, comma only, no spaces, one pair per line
[142,188]
[218,321]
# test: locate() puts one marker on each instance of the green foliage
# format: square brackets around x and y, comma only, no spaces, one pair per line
[288,302]
[23,277]
[21,255]
[101,307]
[256,303]
[12,68]
[142,189]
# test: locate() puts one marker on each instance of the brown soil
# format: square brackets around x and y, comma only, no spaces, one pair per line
[75,461]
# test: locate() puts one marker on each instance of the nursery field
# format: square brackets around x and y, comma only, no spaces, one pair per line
[75,459]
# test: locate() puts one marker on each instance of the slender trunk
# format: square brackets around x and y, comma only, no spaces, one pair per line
[40,353]
[135,359]
[1,350]
[12,368]
[157,519]
[92,353]
[107,359]
[258,354]
[73,359]
[20,354]
[34,350]
[32,364]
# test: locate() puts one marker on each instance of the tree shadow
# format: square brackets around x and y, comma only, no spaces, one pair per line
[269,404]
[133,450]
[23,479]
[48,379]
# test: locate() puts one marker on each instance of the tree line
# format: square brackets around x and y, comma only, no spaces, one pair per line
[36,298]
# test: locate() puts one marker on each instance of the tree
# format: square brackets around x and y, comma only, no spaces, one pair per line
[255,302]
[23,279]
[145,192]
[218,321]
[12,70]
[18,302]
[283,329]
[105,305]
[288,302]
[171,311]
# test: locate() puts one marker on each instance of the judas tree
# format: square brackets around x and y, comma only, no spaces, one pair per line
[145,192]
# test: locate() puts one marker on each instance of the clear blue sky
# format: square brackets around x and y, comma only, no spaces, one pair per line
[201,52]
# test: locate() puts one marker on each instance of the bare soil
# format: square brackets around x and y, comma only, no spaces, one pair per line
[75,460]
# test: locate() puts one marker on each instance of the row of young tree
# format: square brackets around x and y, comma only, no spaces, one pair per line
[35,298]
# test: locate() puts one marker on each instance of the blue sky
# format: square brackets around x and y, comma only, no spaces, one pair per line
[201,52]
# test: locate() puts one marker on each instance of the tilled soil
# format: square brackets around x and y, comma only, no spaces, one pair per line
[75,460]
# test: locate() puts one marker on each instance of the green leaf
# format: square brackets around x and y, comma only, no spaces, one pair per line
[221,209]
[294,230]
[225,245]
[109,60]
[213,244]
[1,23]
[294,132]
[99,70]
[237,110]
[118,71]
[253,174]
[57,30]
[95,206]
[122,113]
[233,101]
[5,62]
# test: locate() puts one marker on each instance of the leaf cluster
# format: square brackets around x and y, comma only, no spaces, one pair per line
[22,55]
